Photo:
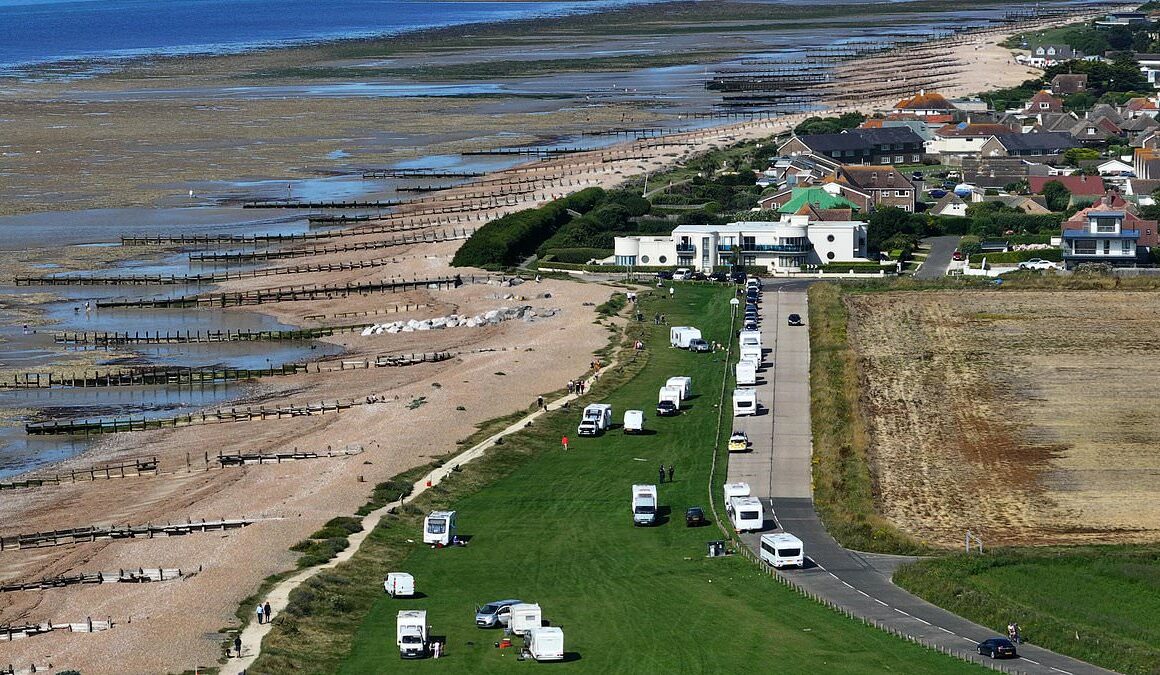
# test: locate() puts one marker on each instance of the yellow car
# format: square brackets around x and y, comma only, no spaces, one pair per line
[738,442]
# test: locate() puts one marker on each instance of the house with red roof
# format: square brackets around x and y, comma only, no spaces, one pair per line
[1141,106]
[1043,102]
[923,105]
[1108,232]
[1079,186]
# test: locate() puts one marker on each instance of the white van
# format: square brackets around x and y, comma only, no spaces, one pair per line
[633,421]
[546,644]
[684,384]
[746,373]
[411,633]
[597,419]
[399,585]
[439,528]
[750,338]
[644,504]
[745,513]
[751,353]
[744,402]
[782,550]
[524,618]
[679,336]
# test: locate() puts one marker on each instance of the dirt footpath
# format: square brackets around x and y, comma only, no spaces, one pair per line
[1025,416]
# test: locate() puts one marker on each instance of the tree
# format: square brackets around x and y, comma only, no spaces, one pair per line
[1019,187]
[1058,196]
[1120,37]
[1079,102]
[886,222]
[1074,156]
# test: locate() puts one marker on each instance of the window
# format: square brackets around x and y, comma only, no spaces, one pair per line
[830,255]
[829,237]
[1044,105]
[916,158]
[1126,246]
[1107,246]
[900,193]
[899,159]
[1105,224]
[644,259]
[1091,131]
[1084,247]
[662,260]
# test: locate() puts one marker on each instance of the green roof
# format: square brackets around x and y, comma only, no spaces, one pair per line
[816,196]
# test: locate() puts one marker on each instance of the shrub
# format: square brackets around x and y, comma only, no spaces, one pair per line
[1052,254]
[506,240]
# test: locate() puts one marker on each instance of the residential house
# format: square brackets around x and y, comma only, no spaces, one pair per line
[1043,102]
[1043,56]
[1150,66]
[1046,146]
[1095,131]
[949,205]
[888,145]
[1068,84]
[790,201]
[1141,187]
[1114,167]
[922,127]
[1106,110]
[924,105]
[1082,188]
[953,141]
[1122,19]
[872,186]
[1033,205]
[1141,106]
[783,246]
[1037,122]
[1107,232]
[1135,125]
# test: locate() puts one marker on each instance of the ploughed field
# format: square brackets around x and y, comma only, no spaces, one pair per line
[1023,416]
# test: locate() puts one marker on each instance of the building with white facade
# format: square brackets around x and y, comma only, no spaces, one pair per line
[784,246]
[1104,235]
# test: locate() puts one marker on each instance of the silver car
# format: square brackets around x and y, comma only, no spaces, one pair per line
[494,614]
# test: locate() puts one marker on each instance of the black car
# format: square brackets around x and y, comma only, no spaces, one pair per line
[667,409]
[794,320]
[997,647]
[664,274]
[698,276]
[750,324]
[719,276]
[695,517]
[738,277]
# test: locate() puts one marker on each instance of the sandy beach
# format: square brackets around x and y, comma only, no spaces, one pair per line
[423,410]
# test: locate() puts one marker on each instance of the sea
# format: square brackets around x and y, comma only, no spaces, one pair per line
[36,32]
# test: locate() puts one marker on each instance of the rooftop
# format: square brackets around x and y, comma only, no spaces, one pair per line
[861,139]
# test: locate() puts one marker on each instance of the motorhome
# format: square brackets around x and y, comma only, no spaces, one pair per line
[744,402]
[751,352]
[439,528]
[750,338]
[525,618]
[644,504]
[399,585]
[746,373]
[782,550]
[670,394]
[411,633]
[685,384]
[546,644]
[679,336]
[633,421]
[597,419]
[745,513]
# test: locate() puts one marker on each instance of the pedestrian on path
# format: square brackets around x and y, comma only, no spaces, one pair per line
[661,474]
[672,291]
[670,480]
[266,607]
[260,613]
[238,645]
[540,403]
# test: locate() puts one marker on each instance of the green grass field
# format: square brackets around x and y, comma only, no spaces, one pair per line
[1098,603]
[556,529]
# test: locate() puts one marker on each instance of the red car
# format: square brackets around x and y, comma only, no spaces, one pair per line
[957,255]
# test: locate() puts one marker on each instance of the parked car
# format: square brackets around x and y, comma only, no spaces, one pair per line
[695,517]
[738,277]
[494,614]
[937,193]
[699,345]
[719,276]
[998,647]
[738,442]
[917,175]
[664,274]
[697,276]
[957,255]
[1038,264]
[750,324]
[667,409]
[794,320]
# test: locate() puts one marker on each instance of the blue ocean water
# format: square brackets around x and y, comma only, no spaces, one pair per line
[45,31]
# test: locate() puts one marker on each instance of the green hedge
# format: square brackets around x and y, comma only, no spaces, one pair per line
[1052,254]
[857,267]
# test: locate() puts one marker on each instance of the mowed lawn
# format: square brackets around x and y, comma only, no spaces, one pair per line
[558,531]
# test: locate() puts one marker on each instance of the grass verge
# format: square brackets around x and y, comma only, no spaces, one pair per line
[1096,603]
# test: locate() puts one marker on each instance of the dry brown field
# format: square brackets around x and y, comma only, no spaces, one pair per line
[1024,416]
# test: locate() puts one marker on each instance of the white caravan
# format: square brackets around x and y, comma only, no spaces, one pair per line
[399,585]
[633,421]
[644,504]
[750,338]
[679,336]
[524,618]
[411,633]
[751,353]
[782,550]
[745,513]
[439,528]
[596,420]
[670,394]
[746,374]
[744,402]
[736,490]
[685,384]
[546,644]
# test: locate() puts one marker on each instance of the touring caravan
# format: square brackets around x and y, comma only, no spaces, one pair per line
[524,618]
[679,336]
[750,338]
[596,420]
[736,490]
[399,585]
[411,633]
[439,528]
[782,550]
[744,402]
[670,394]
[745,513]
[684,384]
[644,504]
[546,644]
[633,421]
[751,353]
[746,374]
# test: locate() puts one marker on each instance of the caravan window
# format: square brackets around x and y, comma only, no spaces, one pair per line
[768,548]
[789,552]
[749,515]
[745,404]
[438,526]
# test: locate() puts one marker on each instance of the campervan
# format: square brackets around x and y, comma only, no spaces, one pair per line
[684,384]
[746,373]
[670,394]
[782,550]
[745,513]
[750,338]
[596,420]
[744,402]
[399,585]
[439,528]
[644,504]
[546,644]
[679,336]
[525,618]
[751,352]
[633,421]
[411,633]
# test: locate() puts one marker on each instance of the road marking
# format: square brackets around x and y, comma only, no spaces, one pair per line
[923,621]
[832,574]
[847,584]
[944,630]
[1060,670]
[880,602]
[901,612]
[1030,661]
[863,592]
[969,640]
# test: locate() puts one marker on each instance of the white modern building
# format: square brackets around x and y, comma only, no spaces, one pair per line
[783,246]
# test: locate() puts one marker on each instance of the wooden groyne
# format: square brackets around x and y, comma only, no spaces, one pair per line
[140,466]
[145,376]
[241,459]
[420,173]
[284,294]
[10,633]
[397,360]
[79,535]
[132,576]
[277,204]
[527,151]
[204,240]
[193,337]
[242,256]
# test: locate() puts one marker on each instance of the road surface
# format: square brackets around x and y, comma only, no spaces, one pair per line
[939,257]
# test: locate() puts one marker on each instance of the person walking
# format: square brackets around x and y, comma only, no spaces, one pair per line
[238,645]
[266,607]
[540,403]
[661,474]
[672,291]
[261,613]
[670,480]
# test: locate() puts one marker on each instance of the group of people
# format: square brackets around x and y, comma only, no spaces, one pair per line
[659,319]
[1013,632]
[263,611]
[661,473]
[575,386]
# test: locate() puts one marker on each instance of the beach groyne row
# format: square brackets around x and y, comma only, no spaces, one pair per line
[244,458]
[419,173]
[146,376]
[186,337]
[140,575]
[290,204]
[135,467]
[205,240]
[285,294]
[239,256]
[10,633]
[79,535]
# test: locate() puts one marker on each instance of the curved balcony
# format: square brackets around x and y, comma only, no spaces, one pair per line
[766,248]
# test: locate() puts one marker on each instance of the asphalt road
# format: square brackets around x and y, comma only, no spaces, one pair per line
[939,257]
[778,470]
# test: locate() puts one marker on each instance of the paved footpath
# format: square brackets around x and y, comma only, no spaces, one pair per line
[778,471]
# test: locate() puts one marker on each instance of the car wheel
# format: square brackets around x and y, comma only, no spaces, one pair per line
[992,653]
